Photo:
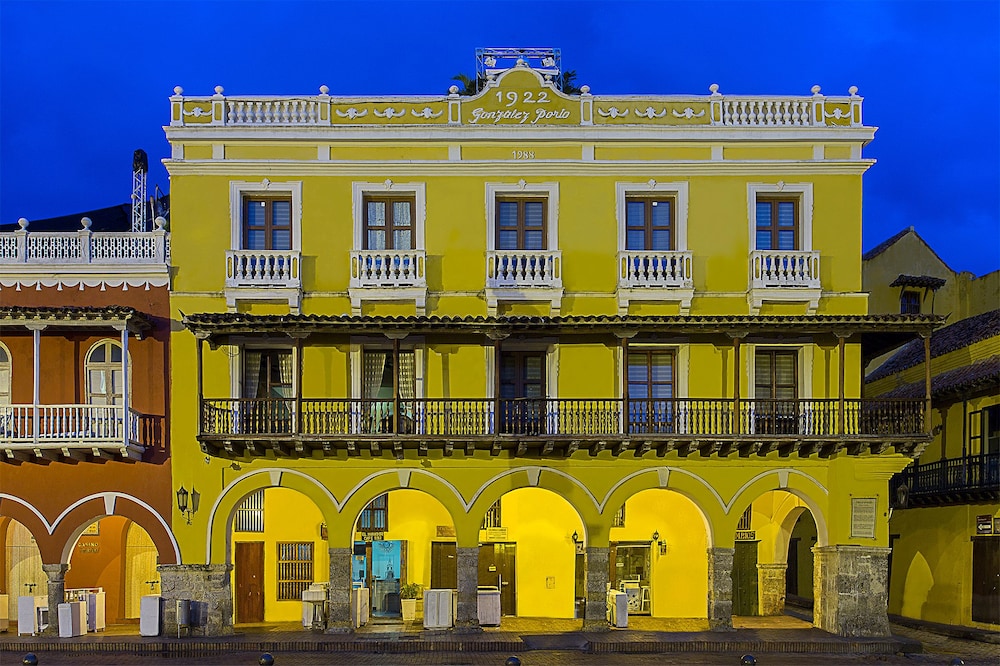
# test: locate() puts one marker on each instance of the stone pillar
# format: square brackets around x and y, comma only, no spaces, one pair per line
[771,583]
[467,563]
[338,603]
[720,589]
[595,617]
[850,590]
[56,573]
[209,589]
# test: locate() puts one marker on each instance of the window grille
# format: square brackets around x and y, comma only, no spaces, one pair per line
[295,569]
[375,516]
[745,520]
[493,517]
[619,519]
[250,513]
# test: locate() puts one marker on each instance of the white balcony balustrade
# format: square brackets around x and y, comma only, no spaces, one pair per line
[263,269]
[388,269]
[654,268]
[784,268]
[84,246]
[61,428]
[518,269]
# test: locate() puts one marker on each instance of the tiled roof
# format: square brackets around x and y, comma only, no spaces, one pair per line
[928,281]
[223,323]
[980,376]
[946,339]
[19,315]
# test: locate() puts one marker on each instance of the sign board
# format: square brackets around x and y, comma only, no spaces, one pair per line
[521,99]
[746,535]
[373,536]
[984,524]
[496,533]
[863,512]
[445,531]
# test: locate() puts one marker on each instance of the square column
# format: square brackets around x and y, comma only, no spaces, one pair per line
[208,586]
[850,588]
[56,573]
[595,616]
[720,589]
[467,564]
[771,583]
[338,603]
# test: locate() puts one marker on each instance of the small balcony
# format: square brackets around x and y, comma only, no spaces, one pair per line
[524,275]
[388,275]
[784,275]
[654,275]
[686,425]
[948,481]
[263,274]
[71,431]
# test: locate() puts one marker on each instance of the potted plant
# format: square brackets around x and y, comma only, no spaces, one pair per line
[408,595]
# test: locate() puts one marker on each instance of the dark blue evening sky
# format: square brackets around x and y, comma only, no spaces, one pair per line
[82,84]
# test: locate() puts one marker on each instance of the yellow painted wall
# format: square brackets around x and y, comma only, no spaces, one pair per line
[414,517]
[805,531]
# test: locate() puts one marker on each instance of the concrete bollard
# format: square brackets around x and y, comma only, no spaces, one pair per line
[30,659]
[266,659]
[748,660]
[512,661]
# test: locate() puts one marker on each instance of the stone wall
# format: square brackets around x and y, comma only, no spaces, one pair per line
[338,606]
[208,586]
[850,588]
[720,588]
[467,564]
[595,617]
[771,583]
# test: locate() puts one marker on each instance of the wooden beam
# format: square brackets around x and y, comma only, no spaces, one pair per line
[547,447]
[496,448]
[684,449]
[621,448]
[376,449]
[828,449]
[597,447]
[643,449]
[422,448]
[449,448]
[725,448]
[665,448]
[572,447]
[522,449]
[747,448]
[470,448]
[352,448]
[785,449]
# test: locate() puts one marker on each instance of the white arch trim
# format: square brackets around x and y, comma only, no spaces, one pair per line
[781,485]
[657,470]
[529,471]
[109,499]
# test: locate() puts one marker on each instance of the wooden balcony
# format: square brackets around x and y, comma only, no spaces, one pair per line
[523,427]
[53,432]
[964,480]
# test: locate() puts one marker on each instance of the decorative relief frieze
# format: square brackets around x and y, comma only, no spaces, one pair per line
[352,113]
[612,112]
[390,112]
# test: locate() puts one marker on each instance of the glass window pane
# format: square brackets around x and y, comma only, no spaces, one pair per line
[376,213]
[401,213]
[638,371]
[281,239]
[785,393]
[281,213]
[635,213]
[533,391]
[784,369]
[764,240]
[507,240]
[763,213]
[376,239]
[534,240]
[661,239]
[3,355]
[98,355]
[762,370]
[534,212]
[116,354]
[507,214]
[638,391]
[786,214]
[660,212]
[117,379]
[662,368]
[255,239]
[786,240]
[97,382]
[256,213]
[533,368]
[635,239]
[401,240]
[663,391]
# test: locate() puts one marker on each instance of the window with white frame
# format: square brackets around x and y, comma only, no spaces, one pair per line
[522,216]
[388,215]
[780,216]
[652,216]
[104,376]
[265,215]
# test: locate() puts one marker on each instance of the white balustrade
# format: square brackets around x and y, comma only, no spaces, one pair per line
[523,268]
[58,423]
[795,112]
[84,247]
[388,268]
[654,268]
[784,268]
[274,111]
[262,268]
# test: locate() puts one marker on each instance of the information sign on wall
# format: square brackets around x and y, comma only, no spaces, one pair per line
[984,524]
[496,534]
[373,536]
[863,510]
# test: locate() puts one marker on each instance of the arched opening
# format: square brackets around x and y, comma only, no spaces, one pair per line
[22,567]
[657,557]
[114,560]
[773,554]
[532,545]
[105,373]
[404,541]
[278,542]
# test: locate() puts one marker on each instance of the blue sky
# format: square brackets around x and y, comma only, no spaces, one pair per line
[82,84]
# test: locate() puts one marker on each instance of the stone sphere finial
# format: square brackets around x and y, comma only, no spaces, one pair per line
[853,90]
[178,90]
[815,90]
[23,223]
[85,222]
[453,90]
[219,90]
[324,89]
[714,88]
[585,90]
[160,222]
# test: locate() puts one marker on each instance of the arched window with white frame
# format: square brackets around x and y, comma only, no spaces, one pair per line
[105,373]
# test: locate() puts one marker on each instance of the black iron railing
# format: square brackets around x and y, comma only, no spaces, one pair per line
[948,481]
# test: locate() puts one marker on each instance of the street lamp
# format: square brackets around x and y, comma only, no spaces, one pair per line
[182,502]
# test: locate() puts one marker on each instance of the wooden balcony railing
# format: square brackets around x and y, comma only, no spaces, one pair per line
[973,478]
[563,417]
[68,427]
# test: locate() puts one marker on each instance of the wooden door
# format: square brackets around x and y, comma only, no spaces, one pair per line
[986,579]
[249,581]
[444,565]
[745,579]
[497,568]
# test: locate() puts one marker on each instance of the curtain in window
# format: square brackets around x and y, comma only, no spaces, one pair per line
[251,373]
[407,376]
[374,369]
[285,368]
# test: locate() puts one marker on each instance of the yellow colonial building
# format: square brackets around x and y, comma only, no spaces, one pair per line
[540,347]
